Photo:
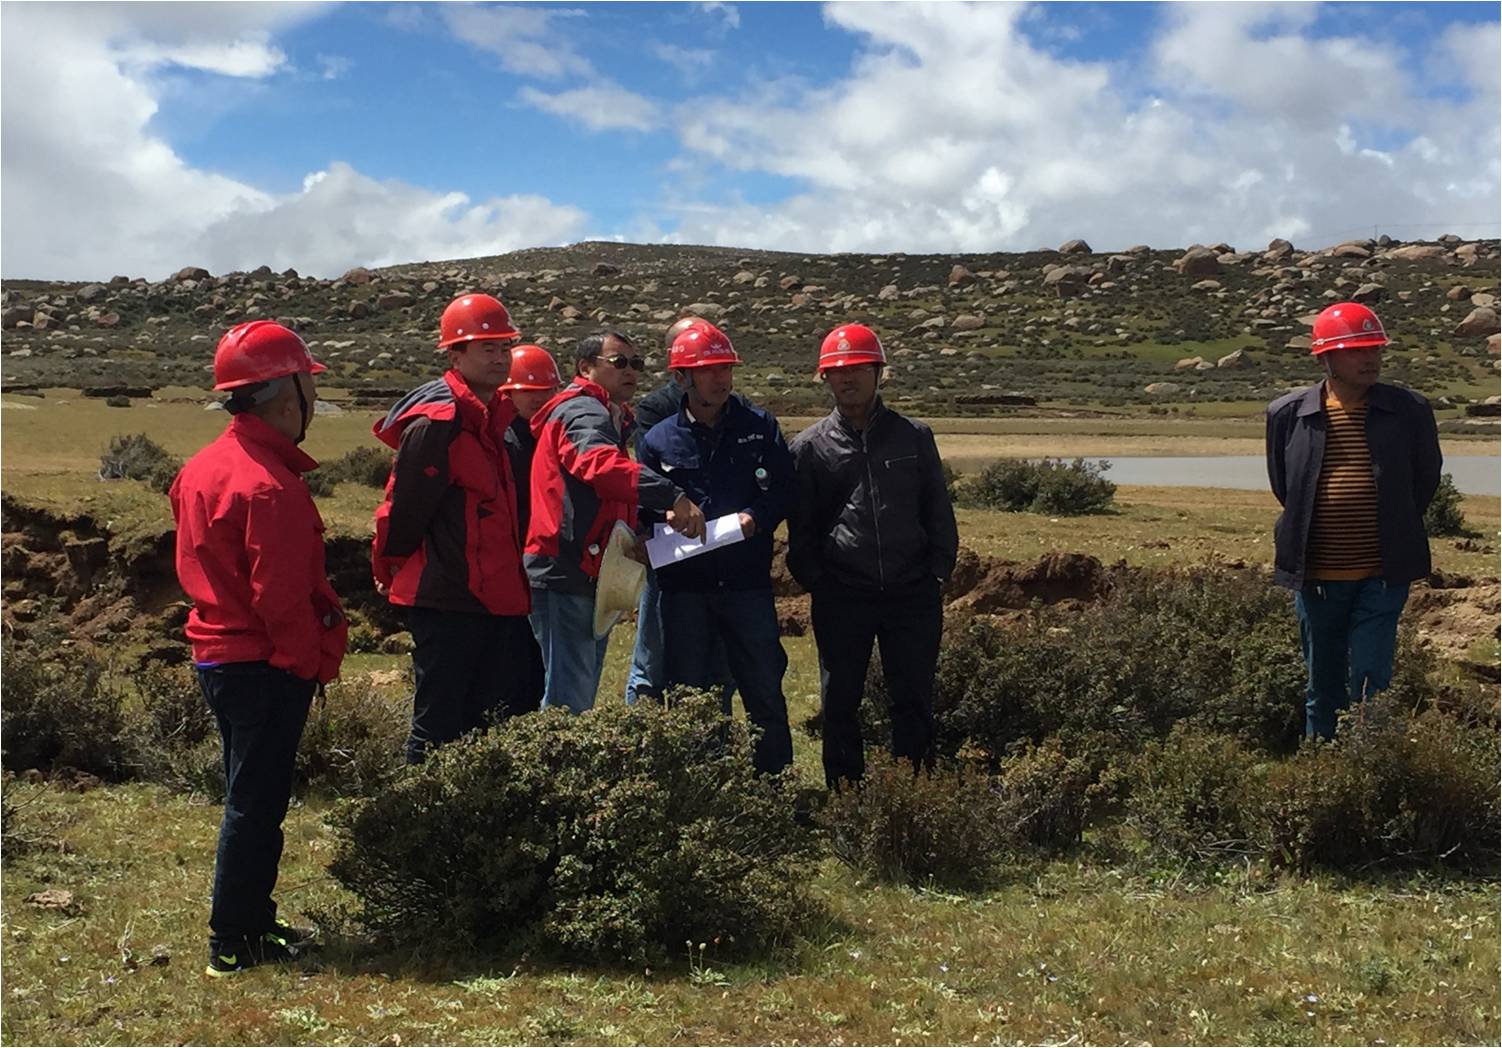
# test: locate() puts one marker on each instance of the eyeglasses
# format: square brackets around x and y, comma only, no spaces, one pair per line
[619,361]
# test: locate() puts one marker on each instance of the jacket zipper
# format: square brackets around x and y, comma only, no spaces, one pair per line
[881,569]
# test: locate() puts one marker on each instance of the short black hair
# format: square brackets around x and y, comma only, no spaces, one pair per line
[593,344]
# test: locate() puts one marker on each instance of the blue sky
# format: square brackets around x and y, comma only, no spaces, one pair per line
[329,135]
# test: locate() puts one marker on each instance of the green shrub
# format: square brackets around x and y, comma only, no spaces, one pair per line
[616,835]
[117,401]
[60,711]
[1195,794]
[363,465]
[1072,489]
[1050,486]
[1395,787]
[952,479]
[1444,515]
[354,740]
[943,826]
[1046,794]
[138,457]
[1211,646]
[173,733]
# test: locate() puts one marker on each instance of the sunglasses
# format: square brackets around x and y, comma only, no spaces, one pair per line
[619,361]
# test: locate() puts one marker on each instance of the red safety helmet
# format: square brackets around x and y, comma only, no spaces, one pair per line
[259,351]
[681,325]
[474,317]
[849,345]
[701,346]
[532,367]
[1346,325]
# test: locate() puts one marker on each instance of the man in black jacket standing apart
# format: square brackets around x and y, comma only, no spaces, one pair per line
[872,537]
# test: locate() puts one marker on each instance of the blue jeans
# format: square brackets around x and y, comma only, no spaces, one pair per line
[564,625]
[745,622]
[1349,631]
[261,712]
[648,675]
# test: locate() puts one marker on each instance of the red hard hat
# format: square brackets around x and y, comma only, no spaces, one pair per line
[701,346]
[474,317]
[259,351]
[532,367]
[1346,325]
[849,345]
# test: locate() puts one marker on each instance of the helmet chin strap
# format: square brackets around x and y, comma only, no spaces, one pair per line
[304,410]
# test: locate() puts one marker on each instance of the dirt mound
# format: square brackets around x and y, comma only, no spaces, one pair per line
[987,585]
[1452,613]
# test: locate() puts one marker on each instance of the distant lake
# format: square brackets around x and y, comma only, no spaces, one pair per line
[1474,474]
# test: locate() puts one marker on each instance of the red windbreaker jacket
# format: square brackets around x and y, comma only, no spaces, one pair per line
[582,483]
[446,534]
[250,555]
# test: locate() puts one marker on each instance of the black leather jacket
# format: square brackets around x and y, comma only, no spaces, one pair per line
[871,510]
[1403,442]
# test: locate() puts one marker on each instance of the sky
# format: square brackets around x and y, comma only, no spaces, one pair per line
[138,138]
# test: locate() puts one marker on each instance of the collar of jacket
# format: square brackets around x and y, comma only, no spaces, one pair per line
[580,387]
[878,408]
[732,407]
[473,415]
[250,429]
[1381,396]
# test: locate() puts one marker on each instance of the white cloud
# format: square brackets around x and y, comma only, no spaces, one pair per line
[90,190]
[603,106]
[729,14]
[526,39]
[951,130]
[332,67]
[341,218]
[690,60]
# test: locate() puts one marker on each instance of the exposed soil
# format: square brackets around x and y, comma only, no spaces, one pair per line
[67,566]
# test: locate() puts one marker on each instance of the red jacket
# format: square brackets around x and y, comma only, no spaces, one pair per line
[582,483]
[250,555]
[446,534]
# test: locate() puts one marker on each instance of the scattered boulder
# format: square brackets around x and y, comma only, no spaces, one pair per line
[967,322]
[1416,252]
[1458,293]
[1478,322]
[1074,247]
[887,293]
[791,282]
[358,275]
[1278,249]
[1186,363]
[707,310]
[959,276]
[745,276]
[604,269]
[1198,262]
[1160,388]
[90,292]
[190,273]
[1369,293]
[1067,281]
[1484,300]
[1205,285]
[107,320]
[1350,250]
[1237,358]
[394,300]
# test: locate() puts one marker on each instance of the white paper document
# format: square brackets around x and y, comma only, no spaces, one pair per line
[666,546]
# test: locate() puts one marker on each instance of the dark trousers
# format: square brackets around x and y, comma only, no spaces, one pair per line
[907,626]
[471,670]
[261,713]
[745,624]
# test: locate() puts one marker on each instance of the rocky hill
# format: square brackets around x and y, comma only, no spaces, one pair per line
[967,334]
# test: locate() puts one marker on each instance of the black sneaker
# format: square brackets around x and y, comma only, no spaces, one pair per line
[295,936]
[269,949]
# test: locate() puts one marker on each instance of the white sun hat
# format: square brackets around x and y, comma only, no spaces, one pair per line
[621,580]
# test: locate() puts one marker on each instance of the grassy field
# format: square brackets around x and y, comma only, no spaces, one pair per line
[1072,950]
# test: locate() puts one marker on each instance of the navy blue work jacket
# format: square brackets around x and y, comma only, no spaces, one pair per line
[742,465]
[1403,441]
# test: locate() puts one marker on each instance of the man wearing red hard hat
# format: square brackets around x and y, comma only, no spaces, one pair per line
[532,382]
[872,536]
[1355,463]
[266,627]
[447,545]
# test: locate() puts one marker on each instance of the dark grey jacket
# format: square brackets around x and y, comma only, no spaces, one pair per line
[871,510]
[1404,445]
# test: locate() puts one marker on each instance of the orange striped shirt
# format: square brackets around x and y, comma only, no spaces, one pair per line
[1343,539]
